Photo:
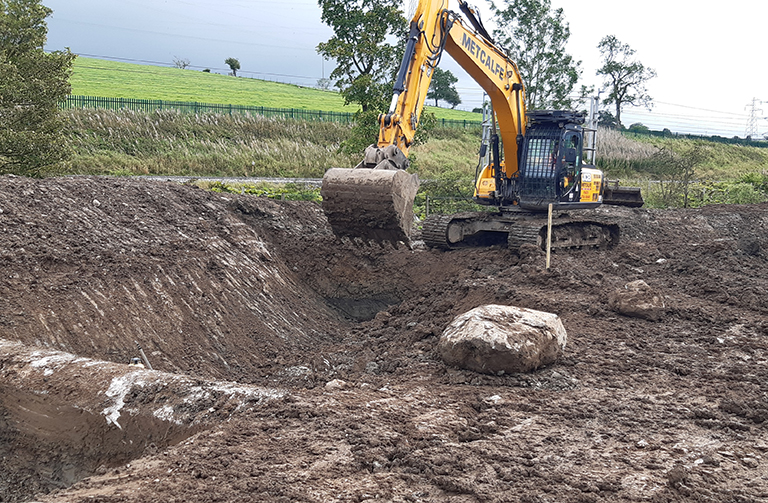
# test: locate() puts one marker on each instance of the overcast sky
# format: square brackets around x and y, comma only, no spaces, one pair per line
[710,61]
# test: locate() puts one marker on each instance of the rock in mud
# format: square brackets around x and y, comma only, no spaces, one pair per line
[637,300]
[502,339]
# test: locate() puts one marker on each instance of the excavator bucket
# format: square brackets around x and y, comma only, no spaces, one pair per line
[371,204]
[622,196]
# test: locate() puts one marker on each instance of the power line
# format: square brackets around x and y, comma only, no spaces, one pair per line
[677,119]
[697,108]
[708,121]
[115,58]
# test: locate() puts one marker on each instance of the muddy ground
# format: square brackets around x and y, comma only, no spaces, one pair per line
[336,341]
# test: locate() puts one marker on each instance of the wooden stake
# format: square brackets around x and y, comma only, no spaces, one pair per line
[549,233]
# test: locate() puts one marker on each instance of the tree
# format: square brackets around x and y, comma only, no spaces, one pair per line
[181,63]
[233,64]
[606,119]
[32,84]
[624,78]
[324,84]
[443,88]
[366,60]
[535,36]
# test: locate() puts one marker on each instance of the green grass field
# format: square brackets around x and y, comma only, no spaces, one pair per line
[111,79]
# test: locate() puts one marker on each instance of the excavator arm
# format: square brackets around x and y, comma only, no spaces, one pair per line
[375,200]
[433,31]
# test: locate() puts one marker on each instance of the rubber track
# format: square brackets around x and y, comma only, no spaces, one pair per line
[523,233]
[435,229]
[526,231]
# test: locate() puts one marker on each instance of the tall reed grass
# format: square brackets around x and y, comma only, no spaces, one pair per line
[172,143]
[620,156]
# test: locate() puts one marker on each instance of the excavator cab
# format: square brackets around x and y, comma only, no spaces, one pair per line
[550,168]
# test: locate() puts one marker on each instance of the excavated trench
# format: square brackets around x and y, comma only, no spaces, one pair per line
[362,309]
[218,287]
[54,443]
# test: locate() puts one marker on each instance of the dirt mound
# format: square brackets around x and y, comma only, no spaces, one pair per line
[96,264]
[68,417]
[260,292]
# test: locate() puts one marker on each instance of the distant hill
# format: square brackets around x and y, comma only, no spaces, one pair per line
[111,79]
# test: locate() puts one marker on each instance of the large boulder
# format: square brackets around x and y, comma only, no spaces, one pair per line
[637,300]
[502,339]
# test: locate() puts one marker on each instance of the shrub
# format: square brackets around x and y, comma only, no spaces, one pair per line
[32,83]
[758,180]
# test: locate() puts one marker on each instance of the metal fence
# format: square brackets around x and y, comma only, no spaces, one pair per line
[456,123]
[195,108]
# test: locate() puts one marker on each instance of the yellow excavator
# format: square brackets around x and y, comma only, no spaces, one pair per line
[534,159]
